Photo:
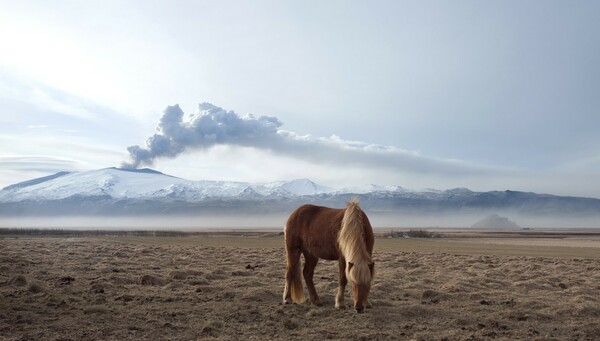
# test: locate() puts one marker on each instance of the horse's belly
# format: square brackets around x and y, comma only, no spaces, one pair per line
[328,254]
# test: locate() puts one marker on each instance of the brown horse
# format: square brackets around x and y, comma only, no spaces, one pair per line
[332,234]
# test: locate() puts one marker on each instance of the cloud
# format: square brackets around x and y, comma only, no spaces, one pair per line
[20,88]
[215,126]
[45,164]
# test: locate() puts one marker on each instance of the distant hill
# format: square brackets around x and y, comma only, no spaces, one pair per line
[495,222]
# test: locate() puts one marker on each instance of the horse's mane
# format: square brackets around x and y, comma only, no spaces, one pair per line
[352,244]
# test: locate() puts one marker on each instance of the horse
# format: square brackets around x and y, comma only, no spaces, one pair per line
[319,232]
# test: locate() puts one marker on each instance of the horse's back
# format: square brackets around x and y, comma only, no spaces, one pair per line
[314,229]
[307,216]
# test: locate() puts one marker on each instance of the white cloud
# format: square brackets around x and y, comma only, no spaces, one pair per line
[38,163]
[22,89]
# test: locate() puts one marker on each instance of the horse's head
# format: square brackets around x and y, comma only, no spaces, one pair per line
[360,276]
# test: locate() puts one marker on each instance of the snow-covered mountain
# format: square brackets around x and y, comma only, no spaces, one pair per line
[147,184]
[133,192]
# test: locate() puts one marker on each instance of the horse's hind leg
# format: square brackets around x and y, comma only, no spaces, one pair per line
[310,262]
[339,298]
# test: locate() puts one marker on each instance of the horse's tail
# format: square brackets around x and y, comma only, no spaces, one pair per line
[293,273]
[296,288]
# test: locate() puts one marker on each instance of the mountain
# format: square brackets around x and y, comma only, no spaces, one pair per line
[146,184]
[495,222]
[138,192]
[35,181]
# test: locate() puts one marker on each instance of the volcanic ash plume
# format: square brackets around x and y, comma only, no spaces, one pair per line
[213,125]
[210,126]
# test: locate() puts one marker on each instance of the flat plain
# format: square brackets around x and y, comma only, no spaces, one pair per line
[465,286]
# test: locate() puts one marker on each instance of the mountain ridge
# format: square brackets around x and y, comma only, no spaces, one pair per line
[116,191]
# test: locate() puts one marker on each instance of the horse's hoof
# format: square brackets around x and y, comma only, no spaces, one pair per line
[340,307]
[317,303]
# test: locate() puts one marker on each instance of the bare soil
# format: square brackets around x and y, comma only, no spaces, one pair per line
[229,288]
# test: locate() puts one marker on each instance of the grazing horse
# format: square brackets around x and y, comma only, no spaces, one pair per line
[332,234]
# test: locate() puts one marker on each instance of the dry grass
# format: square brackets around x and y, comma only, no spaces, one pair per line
[229,288]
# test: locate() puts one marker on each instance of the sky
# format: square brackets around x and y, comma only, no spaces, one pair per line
[490,95]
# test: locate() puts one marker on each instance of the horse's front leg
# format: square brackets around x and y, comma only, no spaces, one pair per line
[339,298]
[310,262]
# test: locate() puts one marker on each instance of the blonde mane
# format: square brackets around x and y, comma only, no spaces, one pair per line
[351,241]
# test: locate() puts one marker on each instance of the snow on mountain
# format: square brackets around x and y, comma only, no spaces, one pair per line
[111,182]
[35,181]
[147,184]
[373,188]
[114,191]
[304,187]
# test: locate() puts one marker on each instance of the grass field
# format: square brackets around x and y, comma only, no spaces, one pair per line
[466,286]
[586,245]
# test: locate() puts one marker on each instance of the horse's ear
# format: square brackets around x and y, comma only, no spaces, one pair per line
[350,265]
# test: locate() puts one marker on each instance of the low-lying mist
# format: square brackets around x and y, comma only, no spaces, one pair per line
[276,221]
[464,220]
[166,222]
